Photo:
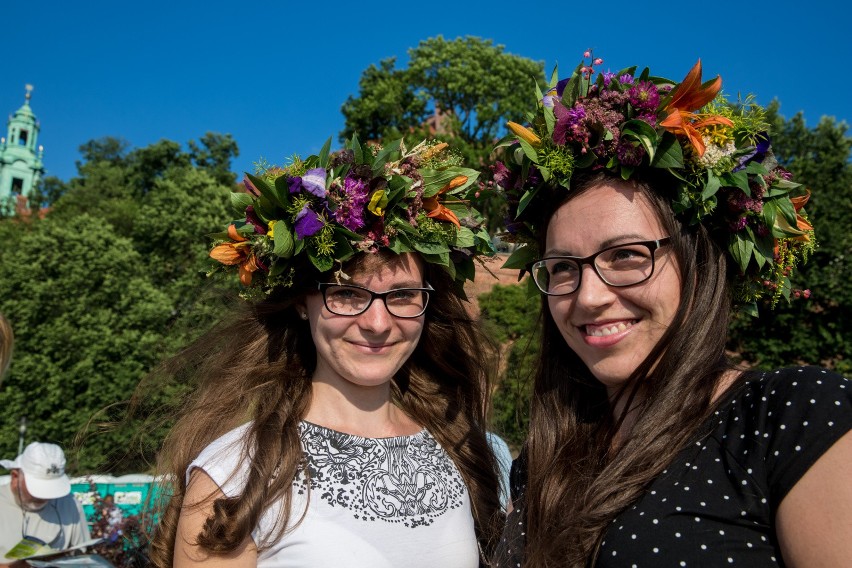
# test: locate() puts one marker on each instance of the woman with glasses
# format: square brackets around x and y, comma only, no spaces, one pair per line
[649,209]
[339,420]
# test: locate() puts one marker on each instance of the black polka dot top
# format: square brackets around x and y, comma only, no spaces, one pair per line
[715,504]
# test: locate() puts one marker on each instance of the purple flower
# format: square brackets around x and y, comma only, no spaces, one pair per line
[308,223]
[757,154]
[649,117]
[350,207]
[569,124]
[501,175]
[626,79]
[739,224]
[608,77]
[251,217]
[314,181]
[560,86]
[250,187]
[629,154]
[644,96]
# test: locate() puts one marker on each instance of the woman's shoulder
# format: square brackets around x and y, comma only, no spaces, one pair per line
[225,459]
[782,421]
[795,388]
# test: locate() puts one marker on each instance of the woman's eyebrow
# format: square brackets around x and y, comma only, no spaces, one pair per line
[612,241]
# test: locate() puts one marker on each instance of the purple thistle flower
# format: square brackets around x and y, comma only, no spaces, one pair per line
[644,96]
[608,76]
[626,79]
[649,117]
[308,223]
[350,209]
[630,154]
[739,224]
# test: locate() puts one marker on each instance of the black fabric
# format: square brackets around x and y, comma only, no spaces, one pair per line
[715,503]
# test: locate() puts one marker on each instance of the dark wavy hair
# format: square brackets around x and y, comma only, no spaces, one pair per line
[578,479]
[257,366]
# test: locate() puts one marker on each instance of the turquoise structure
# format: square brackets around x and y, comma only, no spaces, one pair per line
[21,166]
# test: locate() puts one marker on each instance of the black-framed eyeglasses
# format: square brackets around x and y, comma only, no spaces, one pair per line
[619,265]
[351,300]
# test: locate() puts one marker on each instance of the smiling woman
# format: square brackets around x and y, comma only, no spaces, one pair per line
[648,209]
[339,418]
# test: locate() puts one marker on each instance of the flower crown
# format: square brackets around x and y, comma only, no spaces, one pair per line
[717,152]
[314,214]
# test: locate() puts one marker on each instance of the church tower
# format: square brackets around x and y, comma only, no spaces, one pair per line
[21,166]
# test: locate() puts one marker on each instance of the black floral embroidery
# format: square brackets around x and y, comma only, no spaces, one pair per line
[408,479]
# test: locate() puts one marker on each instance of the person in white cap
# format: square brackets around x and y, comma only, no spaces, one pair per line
[37,503]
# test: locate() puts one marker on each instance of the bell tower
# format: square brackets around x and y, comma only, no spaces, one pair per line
[21,166]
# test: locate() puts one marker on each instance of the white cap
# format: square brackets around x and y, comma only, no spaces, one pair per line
[44,470]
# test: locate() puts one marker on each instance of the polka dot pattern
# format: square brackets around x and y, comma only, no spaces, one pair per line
[714,504]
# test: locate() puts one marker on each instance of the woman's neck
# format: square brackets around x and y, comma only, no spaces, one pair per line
[362,411]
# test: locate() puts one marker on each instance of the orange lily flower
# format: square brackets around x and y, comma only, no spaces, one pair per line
[524,133]
[437,210]
[236,252]
[687,97]
[802,224]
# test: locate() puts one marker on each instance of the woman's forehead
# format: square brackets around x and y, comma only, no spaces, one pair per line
[604,213]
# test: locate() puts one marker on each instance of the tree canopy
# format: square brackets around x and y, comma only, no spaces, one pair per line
[110,281]
[462,91]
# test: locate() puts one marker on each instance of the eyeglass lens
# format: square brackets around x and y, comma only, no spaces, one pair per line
[351,301]
[622,265]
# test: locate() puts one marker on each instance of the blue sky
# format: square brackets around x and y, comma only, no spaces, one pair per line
[275,74]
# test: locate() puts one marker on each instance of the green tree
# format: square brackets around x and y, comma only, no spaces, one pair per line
[817,331]
[510,315]
[461,91]
[111,281]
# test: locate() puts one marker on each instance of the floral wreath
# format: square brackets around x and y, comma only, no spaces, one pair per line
[314,214]
[717,152]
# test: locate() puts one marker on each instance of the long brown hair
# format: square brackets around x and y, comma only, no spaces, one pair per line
[257,366]
[578,482]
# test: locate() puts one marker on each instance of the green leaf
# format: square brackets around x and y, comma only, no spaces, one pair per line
[321,262]
[466,269]
[400,244]
[441,258]
[521,257]
[355,146]
[323,155]
[465,238]
[549,120]
[711,187]
[526,199]
[282,191]
[430,248]
[741,250]
[786,208]
[343,250]
[736,179]
[584,160]
[435,180]
[384,156]
[239,202]
[554,77]
[669,154]
[284,244]
[642,132]
[529,151]
[265,189]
